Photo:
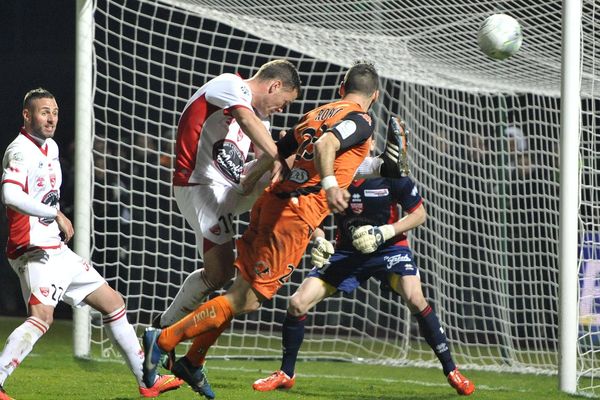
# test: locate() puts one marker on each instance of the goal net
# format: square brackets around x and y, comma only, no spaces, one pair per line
[484,151]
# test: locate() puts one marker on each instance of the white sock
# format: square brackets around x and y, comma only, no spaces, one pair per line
[188,298]
[369,168]
[19,344]
[122,335]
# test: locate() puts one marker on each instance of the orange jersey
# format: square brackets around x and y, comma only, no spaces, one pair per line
[284,217]
[353,128]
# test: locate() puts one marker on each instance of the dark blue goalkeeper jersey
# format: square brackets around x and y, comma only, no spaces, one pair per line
[375,202]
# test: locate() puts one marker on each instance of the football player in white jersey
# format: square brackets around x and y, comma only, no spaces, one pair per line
[48,270]
[216,130]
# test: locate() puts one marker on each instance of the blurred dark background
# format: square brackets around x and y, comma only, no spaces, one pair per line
[37,46]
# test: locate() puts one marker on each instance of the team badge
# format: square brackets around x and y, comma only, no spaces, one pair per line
[45,291]
[261,268]
[40,181]
[215,229]
[356,204]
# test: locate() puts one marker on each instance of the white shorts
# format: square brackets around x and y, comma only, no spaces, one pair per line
[53,275]
[210,209]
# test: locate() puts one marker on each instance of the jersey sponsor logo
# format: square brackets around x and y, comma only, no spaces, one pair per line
[326,113]
[298,175]
[50,199]
[376,192]
[398,258]
[40,181]
[346,128]
[229,160]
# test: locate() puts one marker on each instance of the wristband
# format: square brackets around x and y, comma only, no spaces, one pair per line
[328,182]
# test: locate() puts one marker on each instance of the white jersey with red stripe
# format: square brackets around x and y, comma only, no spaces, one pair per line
[211,147]
[36,169]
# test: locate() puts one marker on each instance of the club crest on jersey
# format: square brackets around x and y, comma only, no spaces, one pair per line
[215,229]
[298,175]
[229,160]
[45,291]
[40,181]
[356,204]
[261,268]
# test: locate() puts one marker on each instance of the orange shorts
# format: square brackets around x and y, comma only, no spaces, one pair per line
[273,244]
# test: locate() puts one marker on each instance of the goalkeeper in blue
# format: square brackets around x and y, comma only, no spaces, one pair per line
[371,242]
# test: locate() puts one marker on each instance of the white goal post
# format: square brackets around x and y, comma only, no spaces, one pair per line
[511,184]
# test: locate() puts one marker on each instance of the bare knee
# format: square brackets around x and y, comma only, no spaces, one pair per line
[416,302]
[296,307]
[43,312]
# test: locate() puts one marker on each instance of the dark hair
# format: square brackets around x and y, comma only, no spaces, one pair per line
[34,94]
[361,78]
[280,69]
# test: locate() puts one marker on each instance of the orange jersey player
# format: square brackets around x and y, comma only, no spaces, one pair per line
[330,142]
[290,210]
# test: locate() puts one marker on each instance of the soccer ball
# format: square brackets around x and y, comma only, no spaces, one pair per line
[500,36]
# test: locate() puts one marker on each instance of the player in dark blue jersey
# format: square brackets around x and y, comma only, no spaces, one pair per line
[371,242]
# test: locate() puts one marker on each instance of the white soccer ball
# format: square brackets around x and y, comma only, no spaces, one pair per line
[500,36]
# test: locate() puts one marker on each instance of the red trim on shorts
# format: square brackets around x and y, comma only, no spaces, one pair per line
[33,300]
[207,245]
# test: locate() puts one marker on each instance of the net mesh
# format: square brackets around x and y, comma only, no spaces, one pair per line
[484,151]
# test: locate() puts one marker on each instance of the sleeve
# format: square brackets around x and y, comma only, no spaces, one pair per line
[14,197]
[14,167]
[228,92]
[287,145]
[406,194]
[355,128]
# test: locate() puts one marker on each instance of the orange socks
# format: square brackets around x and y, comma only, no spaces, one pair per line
[212,315]
[197,352]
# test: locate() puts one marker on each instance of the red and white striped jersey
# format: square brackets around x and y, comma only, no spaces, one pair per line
[36,169]
[211,147]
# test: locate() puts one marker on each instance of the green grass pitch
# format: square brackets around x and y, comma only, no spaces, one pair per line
[51,372]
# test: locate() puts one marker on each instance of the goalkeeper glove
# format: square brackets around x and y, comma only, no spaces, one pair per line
[321,251]
[368,238]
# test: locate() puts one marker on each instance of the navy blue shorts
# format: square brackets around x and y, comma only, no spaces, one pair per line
[348,269]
